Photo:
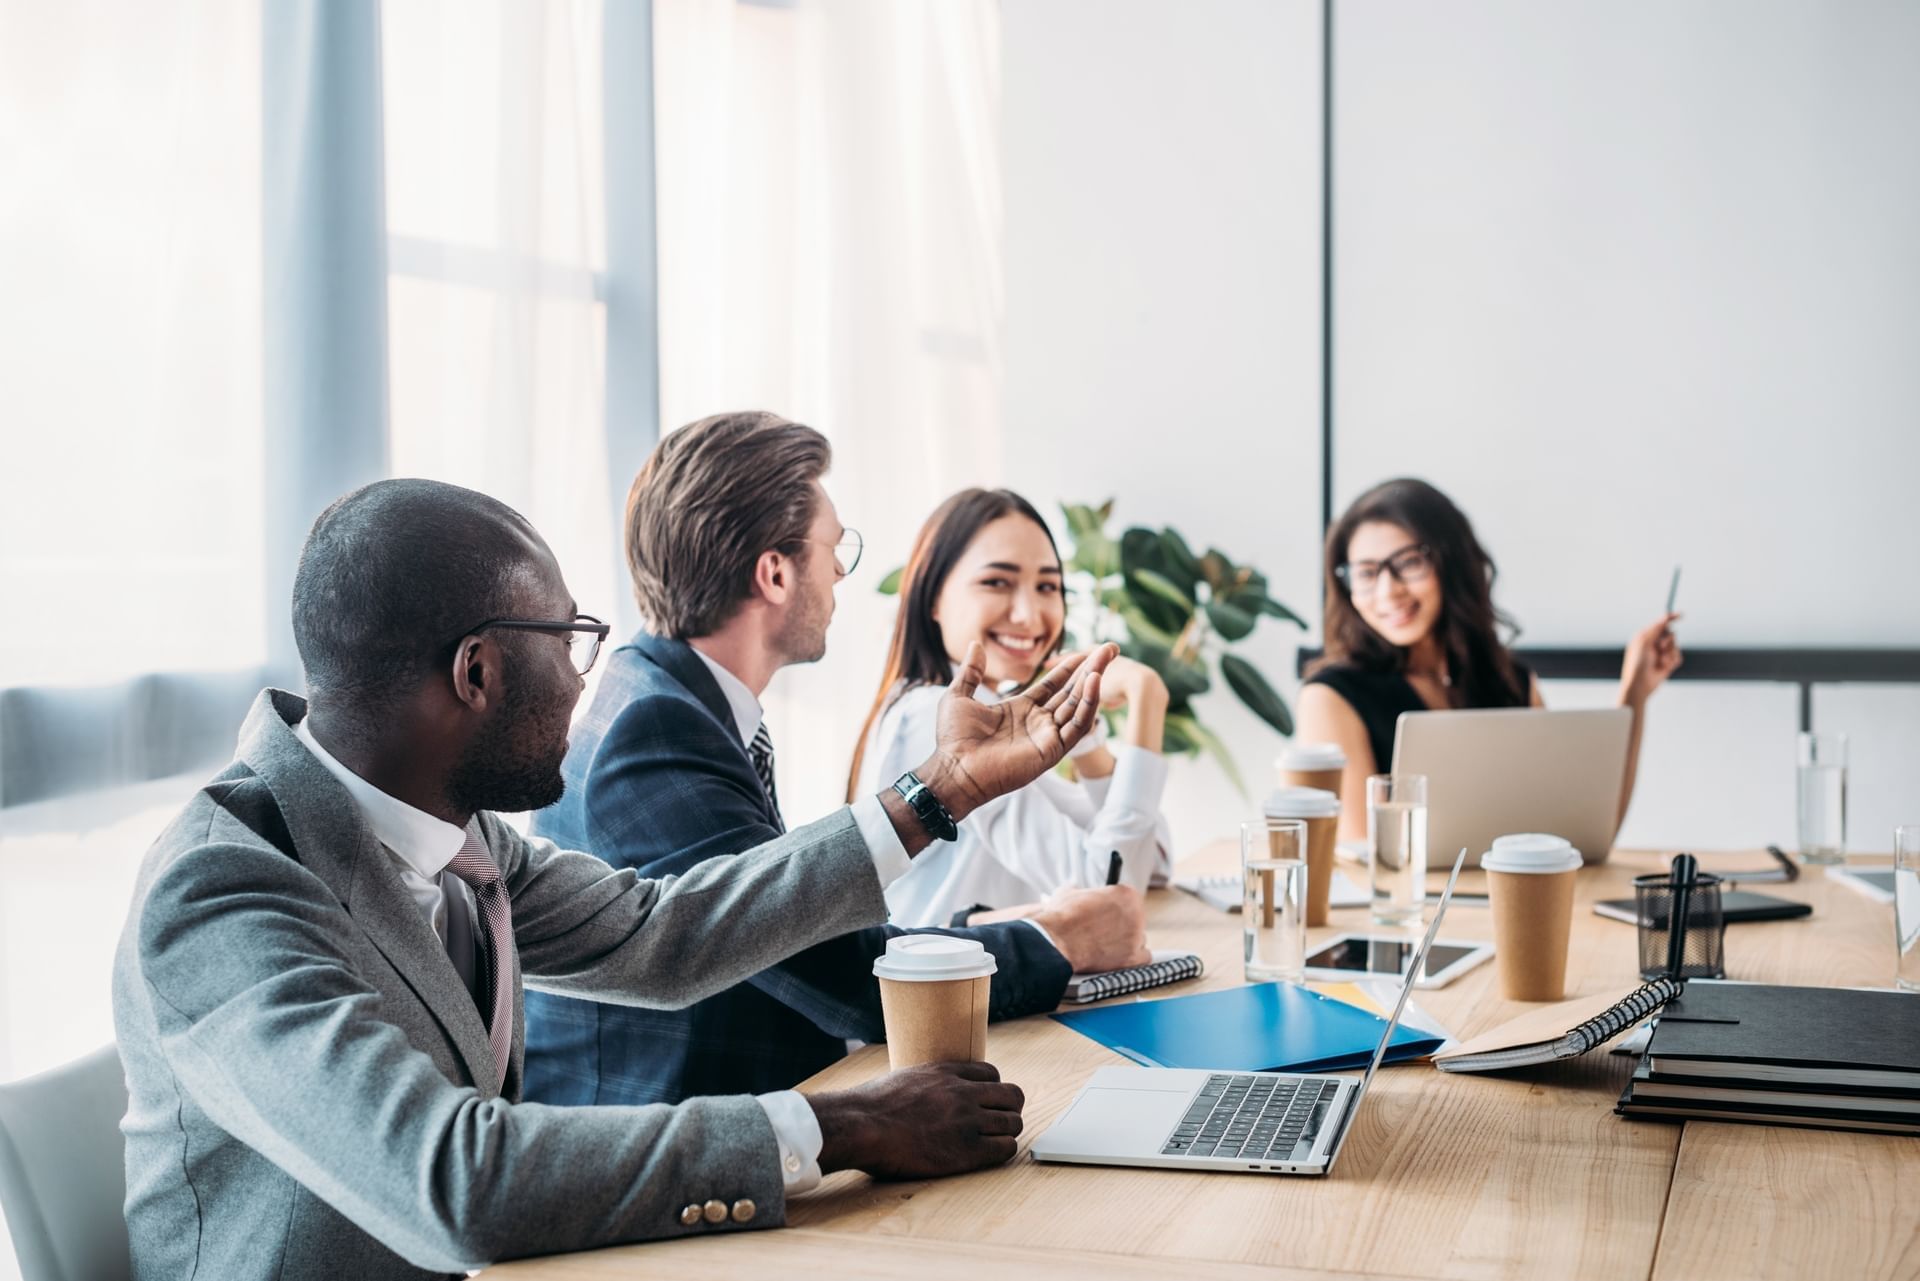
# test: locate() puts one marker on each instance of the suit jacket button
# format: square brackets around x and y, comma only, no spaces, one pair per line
[690,1216]
[716,1211]
[743,1210]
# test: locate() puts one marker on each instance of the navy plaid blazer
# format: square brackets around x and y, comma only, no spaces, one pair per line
[658,780]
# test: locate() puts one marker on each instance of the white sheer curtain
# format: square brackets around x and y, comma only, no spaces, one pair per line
[130,277]
[830,249]
[496,225]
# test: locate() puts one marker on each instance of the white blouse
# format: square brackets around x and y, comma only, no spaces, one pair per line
[1017,848]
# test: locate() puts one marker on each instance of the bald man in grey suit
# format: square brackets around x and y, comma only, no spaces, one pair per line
[317,993]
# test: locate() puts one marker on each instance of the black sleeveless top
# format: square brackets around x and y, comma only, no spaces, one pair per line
[1380,697]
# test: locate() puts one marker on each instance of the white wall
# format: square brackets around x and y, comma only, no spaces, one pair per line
[1636,283]
[1162,206]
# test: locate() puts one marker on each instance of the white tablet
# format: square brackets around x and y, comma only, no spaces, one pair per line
[1348,956]
[1223,892]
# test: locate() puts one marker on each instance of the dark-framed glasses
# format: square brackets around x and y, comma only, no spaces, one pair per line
[1409,567]
[584,634]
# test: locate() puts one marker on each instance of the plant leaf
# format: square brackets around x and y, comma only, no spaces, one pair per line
[1184,680]
[1174,739]
[1231,621]
[1093,553]
[1216,569]
[890,585]
[1253,690]
[1261,603]
[1163,587]
[1081,520]
[1142,627]
[1140,549]
[1180,558]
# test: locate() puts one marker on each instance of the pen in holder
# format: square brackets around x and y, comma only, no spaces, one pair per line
[1682,927]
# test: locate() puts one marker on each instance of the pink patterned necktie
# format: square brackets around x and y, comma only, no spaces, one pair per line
[476,867]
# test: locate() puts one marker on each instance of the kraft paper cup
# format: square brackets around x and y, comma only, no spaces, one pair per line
[1315,765]
[1320,810]
[1530,879]
[934,992]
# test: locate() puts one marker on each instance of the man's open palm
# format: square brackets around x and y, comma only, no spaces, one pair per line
[989,750]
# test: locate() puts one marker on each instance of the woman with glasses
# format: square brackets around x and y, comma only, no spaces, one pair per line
[984,568]
[1411,626]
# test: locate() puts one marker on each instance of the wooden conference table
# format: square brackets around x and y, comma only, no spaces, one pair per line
[1528,1175]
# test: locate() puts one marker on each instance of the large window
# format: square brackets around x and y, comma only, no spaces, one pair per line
[130,504]
[496,221]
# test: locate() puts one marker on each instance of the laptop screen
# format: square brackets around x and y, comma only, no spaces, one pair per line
[1414,971]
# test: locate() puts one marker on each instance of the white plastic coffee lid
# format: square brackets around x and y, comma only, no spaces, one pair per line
[1530,852]
[1305,756]
[1301,802]
[933,958]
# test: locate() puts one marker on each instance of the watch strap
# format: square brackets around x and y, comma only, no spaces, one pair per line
[926,807]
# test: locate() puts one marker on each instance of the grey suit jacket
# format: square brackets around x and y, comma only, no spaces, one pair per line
[310,1082]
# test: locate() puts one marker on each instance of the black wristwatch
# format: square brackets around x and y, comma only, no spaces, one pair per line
[926,807]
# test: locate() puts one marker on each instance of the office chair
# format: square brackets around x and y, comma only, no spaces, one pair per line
[63,1172]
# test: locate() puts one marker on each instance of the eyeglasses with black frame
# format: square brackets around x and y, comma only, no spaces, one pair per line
[583,646]
[1410,566]
[846,552]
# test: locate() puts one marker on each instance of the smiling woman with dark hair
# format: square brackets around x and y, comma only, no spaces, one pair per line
[984,569]
[1411,626]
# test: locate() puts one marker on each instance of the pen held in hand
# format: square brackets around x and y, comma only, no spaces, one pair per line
[1113,868]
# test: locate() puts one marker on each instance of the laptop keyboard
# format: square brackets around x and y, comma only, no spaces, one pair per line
[1253,1117]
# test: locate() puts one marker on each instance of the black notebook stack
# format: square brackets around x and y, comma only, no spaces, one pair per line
[1825,1057]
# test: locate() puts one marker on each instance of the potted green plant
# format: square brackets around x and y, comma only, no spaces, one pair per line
[1180,614]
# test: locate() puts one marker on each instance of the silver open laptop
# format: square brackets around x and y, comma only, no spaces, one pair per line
[1269,1122]
[1523,769]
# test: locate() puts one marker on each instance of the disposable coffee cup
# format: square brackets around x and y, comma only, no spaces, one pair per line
[1321,812]
[1530,879]
[934,991]
[1315,765]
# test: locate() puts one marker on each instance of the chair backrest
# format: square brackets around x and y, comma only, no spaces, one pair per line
[63,1175]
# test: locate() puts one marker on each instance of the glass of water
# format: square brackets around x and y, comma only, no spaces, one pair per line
[1273,874]
[1906,908]
[1397,844]
[1823,797]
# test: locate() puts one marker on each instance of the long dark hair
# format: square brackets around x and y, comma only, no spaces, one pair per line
[1479,664]
[917,655]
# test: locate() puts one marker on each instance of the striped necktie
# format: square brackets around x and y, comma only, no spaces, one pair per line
[476,867]
[761,750]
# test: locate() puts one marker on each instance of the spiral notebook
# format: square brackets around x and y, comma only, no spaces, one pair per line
[1166,967]
[1538,1036]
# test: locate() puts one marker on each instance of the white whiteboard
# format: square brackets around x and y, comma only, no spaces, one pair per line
[1638,284]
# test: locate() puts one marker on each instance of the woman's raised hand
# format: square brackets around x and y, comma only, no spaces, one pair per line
[1653,654]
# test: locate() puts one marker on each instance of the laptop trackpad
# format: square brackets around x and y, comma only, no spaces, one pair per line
[1115,1122]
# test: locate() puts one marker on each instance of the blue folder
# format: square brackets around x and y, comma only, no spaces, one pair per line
[1262,1027]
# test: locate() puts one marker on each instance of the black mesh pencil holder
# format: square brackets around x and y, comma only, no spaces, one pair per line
[1704,951]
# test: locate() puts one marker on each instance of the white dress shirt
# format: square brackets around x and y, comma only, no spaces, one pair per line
[1019,847]
[421,846]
